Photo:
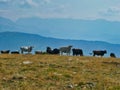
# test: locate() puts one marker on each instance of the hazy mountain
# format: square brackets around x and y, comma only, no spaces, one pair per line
[13,41]
[75,29]
[101,30]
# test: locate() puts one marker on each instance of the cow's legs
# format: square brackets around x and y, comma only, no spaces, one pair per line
[61,53]
[21,51]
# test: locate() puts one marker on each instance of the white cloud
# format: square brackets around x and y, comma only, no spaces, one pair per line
[26,4]
[59,9]
[32,3]
[113,11]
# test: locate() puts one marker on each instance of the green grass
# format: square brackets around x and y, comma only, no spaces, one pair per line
[54,72]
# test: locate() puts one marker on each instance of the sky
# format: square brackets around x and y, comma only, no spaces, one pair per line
[66,9]
[75,9]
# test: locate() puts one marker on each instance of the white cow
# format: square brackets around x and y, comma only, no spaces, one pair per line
[66,50]
[26,49]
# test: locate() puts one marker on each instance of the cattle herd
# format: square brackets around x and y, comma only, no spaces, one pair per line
[62,51]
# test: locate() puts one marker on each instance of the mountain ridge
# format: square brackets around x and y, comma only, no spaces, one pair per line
[100,30]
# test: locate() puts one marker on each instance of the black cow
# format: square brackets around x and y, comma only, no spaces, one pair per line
[54,51]
[112,55]
[77,52]
[99,52]
[5,51]
[15,52]
[49,50]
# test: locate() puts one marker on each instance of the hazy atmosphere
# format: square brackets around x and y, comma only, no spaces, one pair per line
[95,20]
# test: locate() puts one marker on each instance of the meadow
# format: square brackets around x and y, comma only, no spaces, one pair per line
[55,72]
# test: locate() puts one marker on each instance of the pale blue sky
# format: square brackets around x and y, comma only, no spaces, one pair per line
[75,9]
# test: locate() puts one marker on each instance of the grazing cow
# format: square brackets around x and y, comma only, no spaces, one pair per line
[5,51]
[15,52]
[112,55]
[77,52]
[66,50]
[99,52]
[26,49]
[54,51]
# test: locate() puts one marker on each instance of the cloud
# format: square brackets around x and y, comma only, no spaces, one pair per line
[32,3]
[5,4]
[4,1]
[26,4]
[112,11]
[19,3]
[47,1]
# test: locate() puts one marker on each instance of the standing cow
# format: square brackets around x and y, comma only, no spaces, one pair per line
[77,52]
[26,49]
[49,50]
[66,50]
[99,52]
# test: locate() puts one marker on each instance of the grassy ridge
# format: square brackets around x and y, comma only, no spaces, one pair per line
[52,72]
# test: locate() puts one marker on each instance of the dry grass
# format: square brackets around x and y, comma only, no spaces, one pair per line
[54,72]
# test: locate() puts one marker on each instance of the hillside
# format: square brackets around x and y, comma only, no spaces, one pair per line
[54,72]
[14,40]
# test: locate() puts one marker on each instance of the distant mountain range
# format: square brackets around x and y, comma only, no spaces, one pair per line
[14,40]
[101,30]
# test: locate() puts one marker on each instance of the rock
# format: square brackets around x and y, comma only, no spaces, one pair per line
[27,62]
